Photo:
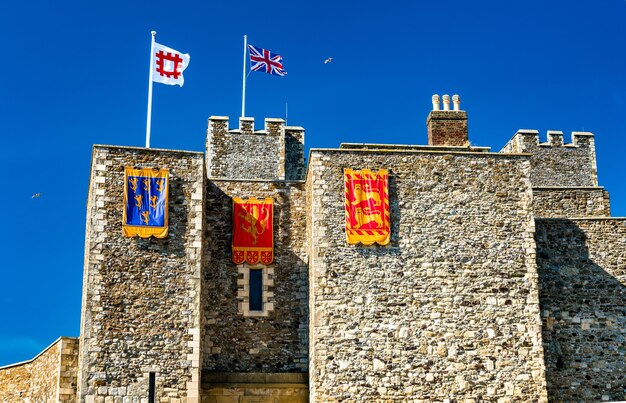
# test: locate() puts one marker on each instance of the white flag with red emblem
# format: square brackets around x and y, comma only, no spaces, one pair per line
[168,65]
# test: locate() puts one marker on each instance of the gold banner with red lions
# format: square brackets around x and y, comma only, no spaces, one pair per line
[367,206]
[253,231]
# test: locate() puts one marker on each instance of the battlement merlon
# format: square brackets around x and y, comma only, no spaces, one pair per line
[274,153]
[554,162]
[525,140]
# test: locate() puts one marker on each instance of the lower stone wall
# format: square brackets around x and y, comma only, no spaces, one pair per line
[14,382]
[254,387]
[550,202]
[49,377]
[68,371]
[582,279]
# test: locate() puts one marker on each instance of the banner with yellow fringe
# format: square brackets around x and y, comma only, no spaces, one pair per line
[145,203]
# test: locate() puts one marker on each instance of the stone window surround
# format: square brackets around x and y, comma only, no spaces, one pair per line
[243,290]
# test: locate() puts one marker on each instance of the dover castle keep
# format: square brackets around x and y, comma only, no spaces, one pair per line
[503,279]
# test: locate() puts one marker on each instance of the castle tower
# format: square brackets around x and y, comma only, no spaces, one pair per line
[580,261]
[564,176]
[274,153]
[255,315]
[140,334]
[500,275]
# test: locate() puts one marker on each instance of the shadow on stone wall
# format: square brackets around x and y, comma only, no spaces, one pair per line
[583,312]
[279,342]
[174,244]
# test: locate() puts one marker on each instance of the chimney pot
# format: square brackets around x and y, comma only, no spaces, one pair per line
[456,101]
[436,102]
[446,102]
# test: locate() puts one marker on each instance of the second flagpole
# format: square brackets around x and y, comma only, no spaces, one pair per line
[243,94]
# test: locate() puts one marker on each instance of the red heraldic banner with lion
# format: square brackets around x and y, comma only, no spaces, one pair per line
[367,206]
[253,231]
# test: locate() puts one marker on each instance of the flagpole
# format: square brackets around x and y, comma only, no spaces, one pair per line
[149,118]
[243,95]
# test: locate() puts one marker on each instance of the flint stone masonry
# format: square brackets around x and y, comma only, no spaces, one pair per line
[294,153]
[555,163]
[141,297]
[274,153]
[278,342]
[553,202]
[448,310]
[504,281]
[582,273]
[49,377]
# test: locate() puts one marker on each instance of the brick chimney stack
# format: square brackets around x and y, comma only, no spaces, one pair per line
[447,127]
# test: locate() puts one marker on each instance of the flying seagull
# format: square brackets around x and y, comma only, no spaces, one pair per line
[36,196]
[330,59]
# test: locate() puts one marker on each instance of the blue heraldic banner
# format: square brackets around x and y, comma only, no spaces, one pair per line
[145,202]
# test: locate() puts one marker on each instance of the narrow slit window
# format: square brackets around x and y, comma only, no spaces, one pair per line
[151,387]
[256,290]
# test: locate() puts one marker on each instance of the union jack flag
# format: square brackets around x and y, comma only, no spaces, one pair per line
[264,60]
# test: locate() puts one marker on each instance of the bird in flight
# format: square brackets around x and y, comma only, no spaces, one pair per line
[330,59]
[36,196]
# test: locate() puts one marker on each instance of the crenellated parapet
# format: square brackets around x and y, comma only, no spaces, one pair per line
[556,163]
[526,140]
[274,153]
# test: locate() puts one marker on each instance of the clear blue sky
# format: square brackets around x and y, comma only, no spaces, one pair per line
[74,73]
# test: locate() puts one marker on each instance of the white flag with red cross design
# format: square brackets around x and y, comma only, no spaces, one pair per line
[168,65]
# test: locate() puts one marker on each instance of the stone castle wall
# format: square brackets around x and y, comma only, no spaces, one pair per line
[448,310]
[277,152]
[15,382]
[277,342]
[49,377]
[68,369]
[555,202]
[486,292]
[255,387]
[295,169]
[555,163]
[141,297]
[582,272]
